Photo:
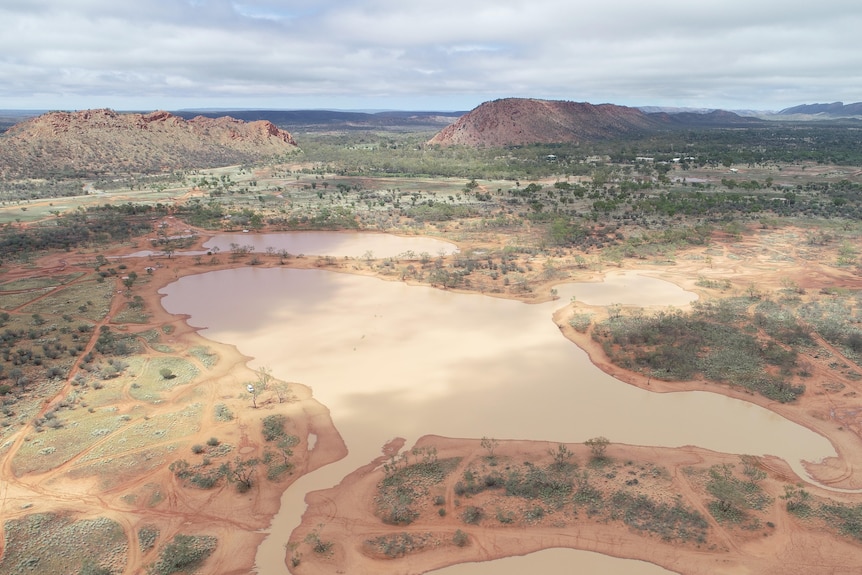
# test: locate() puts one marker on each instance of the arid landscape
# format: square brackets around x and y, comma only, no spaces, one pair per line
[136,440]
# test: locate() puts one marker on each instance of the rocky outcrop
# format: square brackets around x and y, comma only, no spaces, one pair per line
[518,121]
[92,142]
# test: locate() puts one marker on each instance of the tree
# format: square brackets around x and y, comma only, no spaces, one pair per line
[597,446]
[129,280]
[283,392]
[490,444]
[561,457]
[240,473]
[264,376]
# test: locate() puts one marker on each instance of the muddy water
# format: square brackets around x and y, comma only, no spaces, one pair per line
[392,360]
[341,244]
[629,288]
[557,562]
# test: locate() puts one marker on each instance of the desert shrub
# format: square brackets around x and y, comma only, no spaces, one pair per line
[398,544]
[534,513]
[223,413]
[273,427]
[460,538]
[472,515]
[581,321]
[552,487]
[182,554]
[847,518]
[147,536]
[671,522]
[734,497]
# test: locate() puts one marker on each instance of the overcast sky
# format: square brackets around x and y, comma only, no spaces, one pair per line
[418,54]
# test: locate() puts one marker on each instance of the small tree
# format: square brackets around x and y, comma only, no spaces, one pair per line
[240,473]
[490,444]
[166,373]
[597,446]
[561,457]
[283,392]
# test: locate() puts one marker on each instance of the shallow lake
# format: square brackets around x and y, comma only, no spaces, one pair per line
[391,360]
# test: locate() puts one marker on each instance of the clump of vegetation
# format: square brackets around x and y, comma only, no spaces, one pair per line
[405,483]
[183,554]
[734,497]
[670,522]
[713,340]
[847,518]
[273,427]
[147,537]
[317,543]
[54,543]
[223,412]
[472,515]
[598,446]
[399,544]
[552,485]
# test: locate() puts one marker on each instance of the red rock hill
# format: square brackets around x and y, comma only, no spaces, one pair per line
[105,142]
[517,121]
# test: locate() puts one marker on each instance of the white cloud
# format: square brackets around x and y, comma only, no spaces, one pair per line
[168,53]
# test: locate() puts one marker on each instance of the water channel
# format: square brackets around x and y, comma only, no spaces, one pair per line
[391,360]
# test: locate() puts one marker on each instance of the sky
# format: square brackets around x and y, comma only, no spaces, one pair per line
[442,55]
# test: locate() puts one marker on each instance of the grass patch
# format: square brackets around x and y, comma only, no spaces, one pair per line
[53,543]
[405,484]
[205,355]
[12,301]
[735,498]
[669,521]
[163,428]
[54,447]
[151,385]
[88,299]
[39,282]
[399,544]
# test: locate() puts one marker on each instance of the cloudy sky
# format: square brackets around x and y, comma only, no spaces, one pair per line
[420,54]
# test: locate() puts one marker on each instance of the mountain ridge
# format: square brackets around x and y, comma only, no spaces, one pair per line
[103,141]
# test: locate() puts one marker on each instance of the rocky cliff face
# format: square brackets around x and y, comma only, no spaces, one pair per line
[93,142]
[517,121]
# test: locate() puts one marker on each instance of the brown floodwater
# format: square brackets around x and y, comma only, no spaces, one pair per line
[392,360]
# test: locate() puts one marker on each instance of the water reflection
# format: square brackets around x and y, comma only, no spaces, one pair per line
[557,562]
[617,288]
[337,244]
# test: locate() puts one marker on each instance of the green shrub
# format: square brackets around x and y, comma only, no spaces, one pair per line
[460,538]
[273,427]
[183,554]
[472,515]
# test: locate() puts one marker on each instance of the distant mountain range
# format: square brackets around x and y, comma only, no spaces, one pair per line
[833,110]
[93,142]
[335,119]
